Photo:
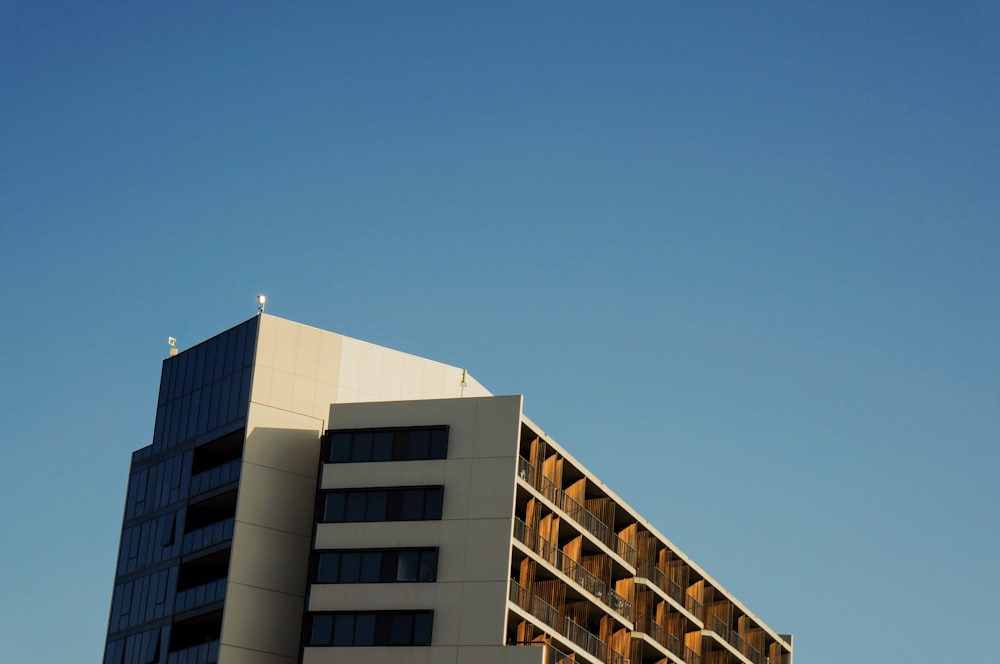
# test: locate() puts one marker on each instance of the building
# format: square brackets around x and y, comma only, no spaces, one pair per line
[313,498]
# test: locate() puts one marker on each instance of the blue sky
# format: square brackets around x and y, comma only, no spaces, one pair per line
[755,243]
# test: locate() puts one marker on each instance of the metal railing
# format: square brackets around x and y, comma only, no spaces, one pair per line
[570,629]
[694,607]
[554,555]
[691,657]
[673,643]
[620,604]
[586,639]
[659,634]
[205,653]
[717,625]
[649,626]
[214,533]
[526,471]
[215,477]
[519,595]
[544,611]
[660,579]
[557,656]
[200,595]
[576,511]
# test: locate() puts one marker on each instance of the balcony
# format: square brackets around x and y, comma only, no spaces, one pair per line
[202,595]
[558,559]
[209,535]
[573,631]
[694,607]
[659,634]
[578,512]
[205,653]
[590,642]
[215,477]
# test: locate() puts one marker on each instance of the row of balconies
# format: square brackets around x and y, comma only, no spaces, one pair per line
[564,626]
[651,560]
[553,555]
[579,513]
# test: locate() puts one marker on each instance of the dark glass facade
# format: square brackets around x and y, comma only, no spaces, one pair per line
[173,559]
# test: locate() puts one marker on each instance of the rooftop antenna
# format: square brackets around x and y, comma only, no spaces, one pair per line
[260,303]
[463,384]
[173,346]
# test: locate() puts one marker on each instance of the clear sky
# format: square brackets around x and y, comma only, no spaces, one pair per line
[756,245]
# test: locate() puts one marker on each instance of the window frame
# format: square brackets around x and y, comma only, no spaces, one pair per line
[337,566]
[372,446]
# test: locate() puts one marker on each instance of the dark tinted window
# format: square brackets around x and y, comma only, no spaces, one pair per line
[410,444]
[385,628]
[401,504]
[377,566]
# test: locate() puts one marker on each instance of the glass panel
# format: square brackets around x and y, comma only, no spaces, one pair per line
[350,567]
[439,444]
[340,447]
[327,569]
[211,350]
[428,566]
[422,627]
[343,630]
[401,631]
[420,442]
[382,446]
[364,629]
[394,508]
[433,508]
[334,511]
[213,413]
[355,510]
[199,364]
[389,564]
[371,562]
[362,447]
[406,568]
[322,630]
[376,506]
[400,445]
[413,505]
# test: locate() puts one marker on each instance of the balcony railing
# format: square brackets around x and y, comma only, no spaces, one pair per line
[695,607]
[620,604]
[586,639]
[214,533]
[544,611]
[554,555]
[207,593]
[660,634]
[691,657]
[577,512]
[215,477]
[526,471]
[581,515]
[654,629]
[557,656]
[519,595]
[659,577]
[717,625]
[573,631]
[205,653]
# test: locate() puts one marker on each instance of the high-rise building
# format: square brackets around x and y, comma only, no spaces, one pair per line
[308,497]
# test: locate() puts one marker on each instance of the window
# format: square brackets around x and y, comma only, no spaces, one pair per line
[397,504]
[377,566]
[411,444]
[383,628]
